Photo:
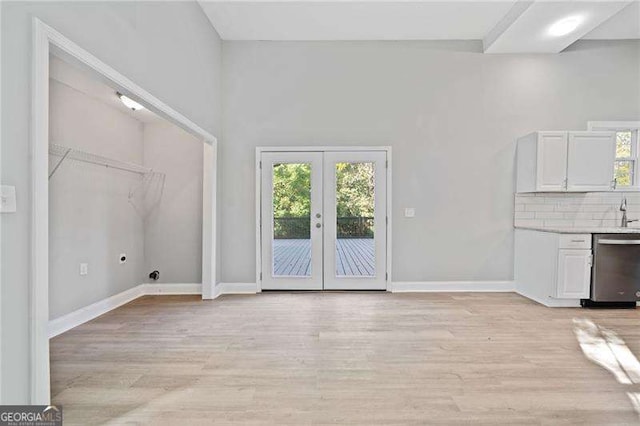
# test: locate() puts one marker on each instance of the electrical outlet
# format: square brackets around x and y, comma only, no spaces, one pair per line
[84,268]
[409,212]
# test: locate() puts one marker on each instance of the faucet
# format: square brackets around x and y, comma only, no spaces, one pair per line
[623,208]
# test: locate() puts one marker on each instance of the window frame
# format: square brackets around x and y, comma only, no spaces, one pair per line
[621,126]
[633,157]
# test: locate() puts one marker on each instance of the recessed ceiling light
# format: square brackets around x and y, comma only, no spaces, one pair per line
[129,103]
[565,26]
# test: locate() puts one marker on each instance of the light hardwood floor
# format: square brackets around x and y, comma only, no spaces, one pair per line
[340,358]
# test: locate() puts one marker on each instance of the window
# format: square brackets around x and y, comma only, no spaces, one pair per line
[626,156]
[625,169]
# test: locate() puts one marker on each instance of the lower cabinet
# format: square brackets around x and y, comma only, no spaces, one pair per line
[552,268]
[574,274]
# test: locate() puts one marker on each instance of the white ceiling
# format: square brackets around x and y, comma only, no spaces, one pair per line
[624,25]
[422,20]
[354,20]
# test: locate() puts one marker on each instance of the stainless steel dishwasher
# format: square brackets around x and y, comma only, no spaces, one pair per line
[615,277]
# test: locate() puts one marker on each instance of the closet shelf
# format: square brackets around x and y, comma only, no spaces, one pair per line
[75,154]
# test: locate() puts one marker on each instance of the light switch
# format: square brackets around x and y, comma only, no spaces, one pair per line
[84,268]
[8,199]
[409,212]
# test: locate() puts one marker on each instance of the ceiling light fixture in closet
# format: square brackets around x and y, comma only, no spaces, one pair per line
[129,103]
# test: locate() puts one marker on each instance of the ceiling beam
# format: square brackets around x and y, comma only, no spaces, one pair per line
[507,21]
[526,27]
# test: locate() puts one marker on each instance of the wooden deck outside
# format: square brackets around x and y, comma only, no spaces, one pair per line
[355,257]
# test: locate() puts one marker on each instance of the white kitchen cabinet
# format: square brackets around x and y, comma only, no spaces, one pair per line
[559,161]
[590,161]
[551,268]
[574,274]
[542,162]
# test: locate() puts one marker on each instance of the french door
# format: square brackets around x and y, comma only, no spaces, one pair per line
[323,220]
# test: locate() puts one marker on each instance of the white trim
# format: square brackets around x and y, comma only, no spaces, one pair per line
[238,288]
[217,290]
[319,148]
[452,286]
[1,345]
[82,315]
[171,289]
[40,393]
[551,302]
[389,220]
[46,39]
[323,148]
[88,313]
[258,213]
[612,125]
[125,86]
[404,287]
[209,219]
[235,288]
[74,319]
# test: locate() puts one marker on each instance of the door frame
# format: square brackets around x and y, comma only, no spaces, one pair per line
[325,148]
[46,40]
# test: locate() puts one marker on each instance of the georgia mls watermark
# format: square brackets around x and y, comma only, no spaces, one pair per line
[30,415]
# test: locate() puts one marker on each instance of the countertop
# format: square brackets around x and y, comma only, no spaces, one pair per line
[582,230]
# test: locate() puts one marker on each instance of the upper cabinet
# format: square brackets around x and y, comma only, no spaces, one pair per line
[566,161]
[590,161]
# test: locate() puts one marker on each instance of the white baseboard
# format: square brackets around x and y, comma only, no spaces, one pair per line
[82,315]
[168,289]
[551,302]
[217,290]
[399,287]
[237,288]
[452,286]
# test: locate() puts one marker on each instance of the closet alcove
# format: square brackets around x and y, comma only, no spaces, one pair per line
[125,192]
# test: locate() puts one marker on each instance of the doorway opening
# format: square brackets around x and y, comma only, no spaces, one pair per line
[145,188]
[323,219]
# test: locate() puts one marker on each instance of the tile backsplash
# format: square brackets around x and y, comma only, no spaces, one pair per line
[572,210]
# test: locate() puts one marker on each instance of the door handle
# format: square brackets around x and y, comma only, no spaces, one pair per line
[620,242]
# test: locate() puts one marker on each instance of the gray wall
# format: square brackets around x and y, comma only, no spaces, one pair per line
[90,218]
[168,48]
[451,114]
[173,227]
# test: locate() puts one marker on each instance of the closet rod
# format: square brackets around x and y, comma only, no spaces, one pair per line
[87,157]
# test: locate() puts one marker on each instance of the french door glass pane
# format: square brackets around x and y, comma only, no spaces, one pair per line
[355,211]
[291,220]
